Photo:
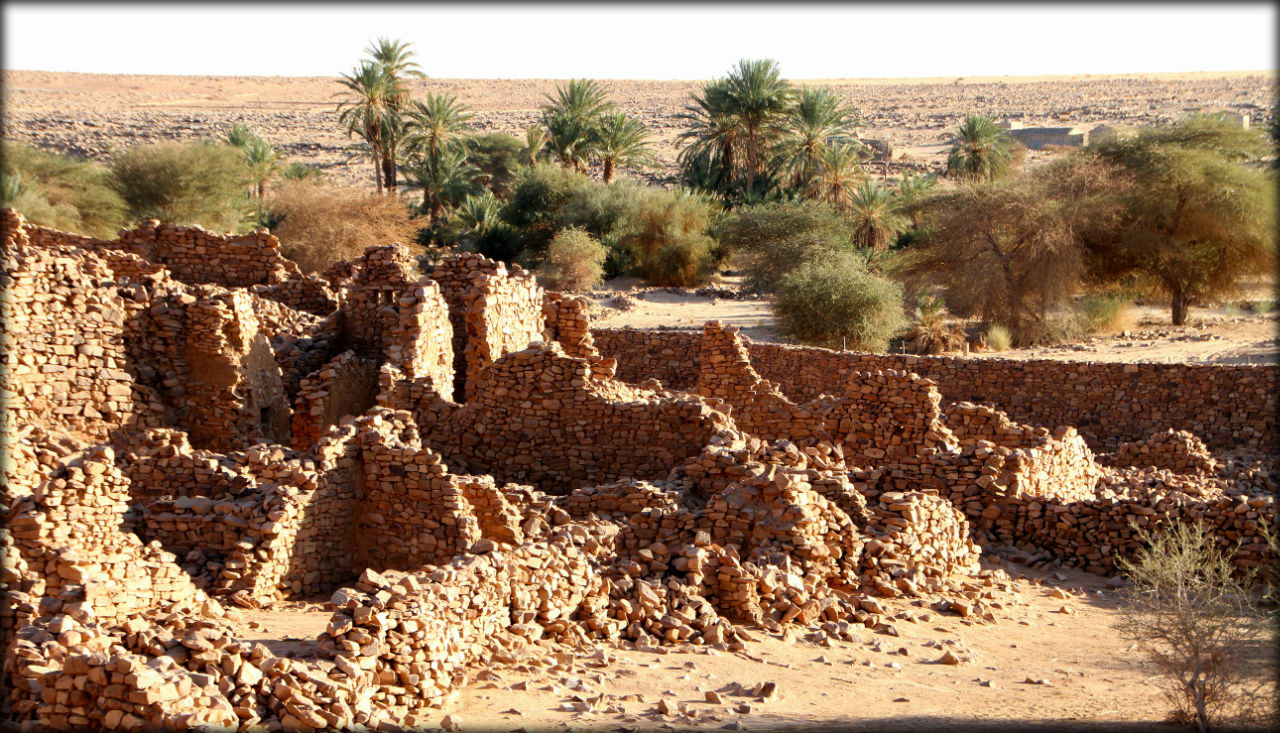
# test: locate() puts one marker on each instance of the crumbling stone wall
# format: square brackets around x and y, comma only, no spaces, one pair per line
[191,254]
[347,385]
[493,310]
[1230,407]
[538,417]
[390,313]
[64,358]
[69,534]
[412,512]
[566,321]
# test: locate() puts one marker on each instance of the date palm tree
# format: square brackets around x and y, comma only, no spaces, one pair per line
[445,180]
[757,95]
[819,119]
[264,161]
[712,141]
[837,174]
[622,140]
[395,57]
[572,118]
[982,151]
[431,124]
[535,139]
[367,113]
[875,221]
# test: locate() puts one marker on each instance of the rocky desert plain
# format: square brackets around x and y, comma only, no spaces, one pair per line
[242,496]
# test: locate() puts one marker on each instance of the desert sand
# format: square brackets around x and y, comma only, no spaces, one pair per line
[93,114]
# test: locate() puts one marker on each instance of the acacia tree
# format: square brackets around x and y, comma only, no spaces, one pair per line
[1012,253]
[1201,215]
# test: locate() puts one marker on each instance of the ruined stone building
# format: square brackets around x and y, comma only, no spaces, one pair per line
[462,467]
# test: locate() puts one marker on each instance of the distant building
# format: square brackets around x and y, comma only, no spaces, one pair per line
[1036,138]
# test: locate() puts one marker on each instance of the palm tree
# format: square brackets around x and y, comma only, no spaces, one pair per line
[432,124]
[837,174]
[912,191]
[585,98]
[819,119]
[876,223]
[394,57]
[983,151]
[446,179]
[622,140]
[366,111]
[572,119]
[571,139]
[239,136]
[264,161]
[712,140]
[479,213]
[535,139]
[758,96]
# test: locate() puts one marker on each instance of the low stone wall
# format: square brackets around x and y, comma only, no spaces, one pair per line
[191,254]
[1230,407]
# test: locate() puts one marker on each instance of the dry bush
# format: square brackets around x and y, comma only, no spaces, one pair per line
[1106,312]
[574,261]
[667,239]
[930,333]
[319,224]
[1200,620]
[998,338]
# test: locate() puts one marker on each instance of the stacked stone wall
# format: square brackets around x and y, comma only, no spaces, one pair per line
[191,254]
[1230,407]
[347,385]
[538,417]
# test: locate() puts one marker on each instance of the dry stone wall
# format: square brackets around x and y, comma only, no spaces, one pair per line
[1230,407]
[347,385]
[538,417]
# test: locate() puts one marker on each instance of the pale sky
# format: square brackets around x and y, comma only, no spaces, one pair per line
[644,40]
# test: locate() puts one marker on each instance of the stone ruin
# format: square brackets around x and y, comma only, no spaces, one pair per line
[448,454]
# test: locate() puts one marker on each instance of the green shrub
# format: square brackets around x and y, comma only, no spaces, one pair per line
[538,194]
[998,337]
[575,261]
[605,211]
[770,240]
[185,183]
[834,302]
[61,192]
[668,239]
[500,241]
[498,157]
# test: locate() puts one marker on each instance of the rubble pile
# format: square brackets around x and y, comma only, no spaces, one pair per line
[193,430]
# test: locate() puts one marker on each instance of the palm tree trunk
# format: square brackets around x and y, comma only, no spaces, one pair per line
[608,169]
[377,173]
[389,171]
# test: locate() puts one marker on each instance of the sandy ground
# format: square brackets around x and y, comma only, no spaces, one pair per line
[93,114]
[1052,655]
[1216,335]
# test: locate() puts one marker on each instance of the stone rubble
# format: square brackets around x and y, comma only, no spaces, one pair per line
[191,428]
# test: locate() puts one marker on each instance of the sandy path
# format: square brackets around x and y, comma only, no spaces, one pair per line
[1054,625]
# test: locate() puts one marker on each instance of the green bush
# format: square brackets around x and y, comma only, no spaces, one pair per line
[604,211]
[575,261]
[500,241]
[834,302]
[538,194]
[498,157]
[668,241]
[185,183]
[61,192]
[770,240]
